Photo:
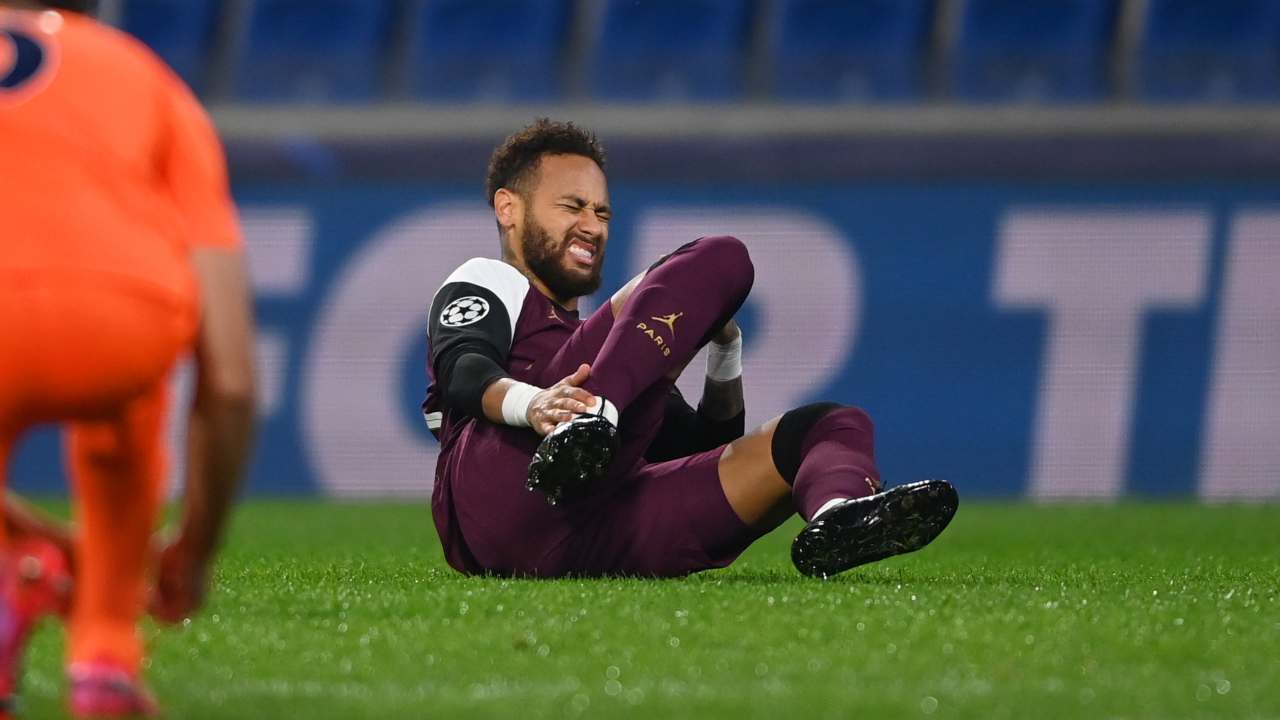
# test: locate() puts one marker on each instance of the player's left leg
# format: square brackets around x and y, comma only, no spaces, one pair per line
[13,629]
[820,461]
[34,582]
[118,469]
[33,572]
[701,512]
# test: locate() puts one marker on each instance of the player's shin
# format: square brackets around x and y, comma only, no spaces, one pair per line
[827,453]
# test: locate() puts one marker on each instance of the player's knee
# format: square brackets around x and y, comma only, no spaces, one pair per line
[788,445]
[732,262]
[857,418]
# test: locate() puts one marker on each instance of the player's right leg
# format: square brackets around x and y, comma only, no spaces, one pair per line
[117,469]
[724,256]
[666,316]
[701,512]
[670,313]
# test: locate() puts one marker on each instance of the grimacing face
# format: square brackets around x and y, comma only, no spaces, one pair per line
[566,225]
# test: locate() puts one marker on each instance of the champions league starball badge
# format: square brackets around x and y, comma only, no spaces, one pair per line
[464,311]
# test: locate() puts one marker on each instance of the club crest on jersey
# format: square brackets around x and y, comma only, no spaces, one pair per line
[464,311]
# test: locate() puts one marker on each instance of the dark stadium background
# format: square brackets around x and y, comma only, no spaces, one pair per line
[1037,240]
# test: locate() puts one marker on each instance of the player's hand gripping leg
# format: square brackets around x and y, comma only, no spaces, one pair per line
[581,438]
[561,402]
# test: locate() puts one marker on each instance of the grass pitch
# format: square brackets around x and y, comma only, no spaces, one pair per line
[348,611]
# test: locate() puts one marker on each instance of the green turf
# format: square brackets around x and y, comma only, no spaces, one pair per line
[348,611]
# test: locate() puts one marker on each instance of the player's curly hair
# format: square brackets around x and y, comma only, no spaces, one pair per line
[515,162]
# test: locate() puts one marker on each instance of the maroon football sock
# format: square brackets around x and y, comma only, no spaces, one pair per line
[673,311]
[839,461]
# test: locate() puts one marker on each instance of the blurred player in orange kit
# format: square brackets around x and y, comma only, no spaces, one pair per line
[120,252]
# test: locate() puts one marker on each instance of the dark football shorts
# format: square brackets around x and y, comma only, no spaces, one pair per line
[649,519]
[660,520]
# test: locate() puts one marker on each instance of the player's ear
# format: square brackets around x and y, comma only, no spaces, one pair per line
[508,208]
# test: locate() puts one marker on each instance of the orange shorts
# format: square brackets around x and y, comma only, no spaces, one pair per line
[83,350]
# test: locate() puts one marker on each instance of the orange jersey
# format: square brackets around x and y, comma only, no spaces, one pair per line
[109,167]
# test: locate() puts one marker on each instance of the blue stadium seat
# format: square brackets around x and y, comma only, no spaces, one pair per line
[1210,50]
[489,49]
[179,31]
[314,50]
[833,50]
[671,50]
[1039,50]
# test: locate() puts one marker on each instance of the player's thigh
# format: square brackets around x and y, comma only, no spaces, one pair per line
[619,299]
[585,343]
[667,520]
[506,529]
[581,347]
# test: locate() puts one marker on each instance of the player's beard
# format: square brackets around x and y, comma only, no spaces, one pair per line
[545,259]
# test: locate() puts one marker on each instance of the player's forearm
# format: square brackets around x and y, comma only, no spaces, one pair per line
[219,439]
[474,383]
[220,429]
[479,387]
[722,400]
[493,397]
[722,392]
[510,402]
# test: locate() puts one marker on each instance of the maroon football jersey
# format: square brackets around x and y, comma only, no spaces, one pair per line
[488,306]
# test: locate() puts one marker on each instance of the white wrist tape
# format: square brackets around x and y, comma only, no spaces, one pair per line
[724,362]
[515,405]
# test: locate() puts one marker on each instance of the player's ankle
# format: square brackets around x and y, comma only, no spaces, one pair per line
[828,505]
[601,407]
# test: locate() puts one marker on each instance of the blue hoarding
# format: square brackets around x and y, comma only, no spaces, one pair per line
[1049,339]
